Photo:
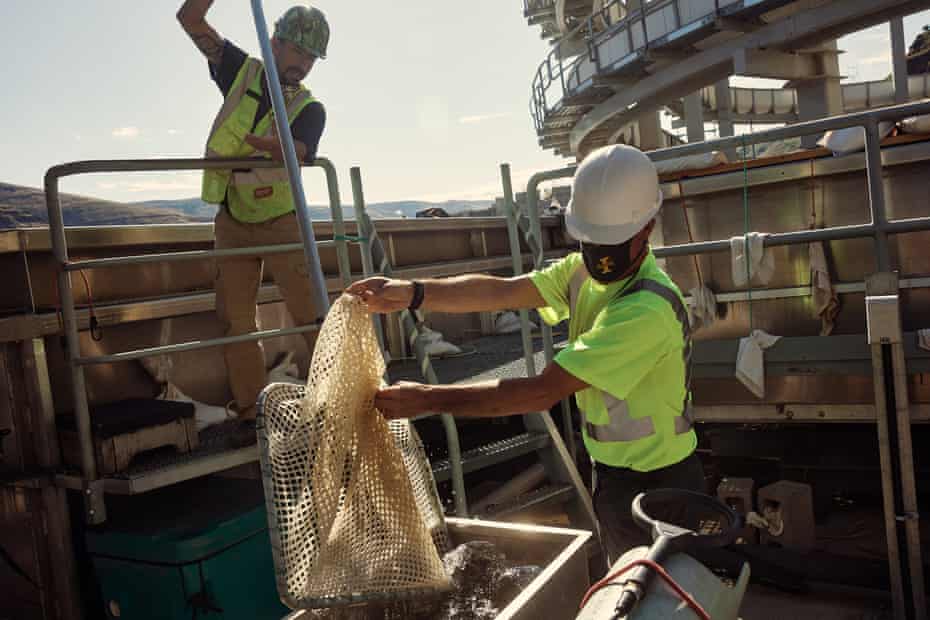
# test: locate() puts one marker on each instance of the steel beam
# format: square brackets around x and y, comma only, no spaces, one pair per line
[857,119]
[774,64]
[716,63]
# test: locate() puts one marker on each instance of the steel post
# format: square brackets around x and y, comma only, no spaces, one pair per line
[535,232]
[873,158]
[339,227]
[94,509]
[317,280]
[361,216]
[895,447]
[513,236]
[899,60]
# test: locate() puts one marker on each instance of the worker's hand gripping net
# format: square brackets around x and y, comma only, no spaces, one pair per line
[353,509]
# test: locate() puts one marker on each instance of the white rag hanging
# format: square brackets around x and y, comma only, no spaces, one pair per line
[826,301]
[923,339]
[761,264]
[750,360]
[436,346]
[508,322]
[703,307]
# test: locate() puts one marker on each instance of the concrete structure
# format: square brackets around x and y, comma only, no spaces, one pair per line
[724,104]
[607,72]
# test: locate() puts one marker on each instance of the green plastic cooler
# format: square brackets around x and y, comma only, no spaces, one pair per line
[194,550]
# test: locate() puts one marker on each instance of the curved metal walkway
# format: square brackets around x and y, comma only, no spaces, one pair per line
[671,48]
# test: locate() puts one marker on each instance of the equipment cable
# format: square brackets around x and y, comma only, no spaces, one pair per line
[682,594]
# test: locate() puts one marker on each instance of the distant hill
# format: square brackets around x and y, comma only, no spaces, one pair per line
[201,211]
[23,207]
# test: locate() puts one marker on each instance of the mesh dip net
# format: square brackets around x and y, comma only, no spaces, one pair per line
[353,511]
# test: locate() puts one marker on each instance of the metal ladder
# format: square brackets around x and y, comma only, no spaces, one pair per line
[541,436]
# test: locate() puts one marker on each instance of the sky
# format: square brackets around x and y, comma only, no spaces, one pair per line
[429,99]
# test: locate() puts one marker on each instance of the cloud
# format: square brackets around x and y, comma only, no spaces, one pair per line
[125,132]
[480,118]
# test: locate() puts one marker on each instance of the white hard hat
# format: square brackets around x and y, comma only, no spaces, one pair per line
[615,193]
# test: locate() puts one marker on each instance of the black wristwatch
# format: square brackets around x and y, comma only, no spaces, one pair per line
[418,292]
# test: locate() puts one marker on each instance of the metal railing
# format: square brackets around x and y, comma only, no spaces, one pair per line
[375,259]
[613,38]
[879,227]
[528,224]
[560,458]
[92,485]
[283,125]
[897,466]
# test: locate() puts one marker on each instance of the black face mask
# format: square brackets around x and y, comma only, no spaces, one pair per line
[609,263]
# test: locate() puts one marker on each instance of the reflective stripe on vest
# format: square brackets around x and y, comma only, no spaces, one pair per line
[252,195]
[621,426]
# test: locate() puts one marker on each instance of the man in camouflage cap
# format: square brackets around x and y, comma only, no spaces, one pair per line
[255,206]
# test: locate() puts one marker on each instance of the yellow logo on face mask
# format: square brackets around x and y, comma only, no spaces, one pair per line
[605,265]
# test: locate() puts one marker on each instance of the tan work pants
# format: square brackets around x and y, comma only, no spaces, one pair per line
[237,282]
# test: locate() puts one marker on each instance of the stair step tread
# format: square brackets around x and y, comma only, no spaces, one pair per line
[493,453]
[544,495]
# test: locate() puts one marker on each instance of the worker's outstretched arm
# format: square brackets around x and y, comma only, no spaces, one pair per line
[481,400]
[468,293]
[193,18]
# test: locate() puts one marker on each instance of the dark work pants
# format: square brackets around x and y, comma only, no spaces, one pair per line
[615,489]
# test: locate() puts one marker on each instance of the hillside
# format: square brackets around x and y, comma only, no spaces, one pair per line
[24,207]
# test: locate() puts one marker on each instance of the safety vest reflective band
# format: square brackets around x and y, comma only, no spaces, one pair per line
[621,426]
[252,195]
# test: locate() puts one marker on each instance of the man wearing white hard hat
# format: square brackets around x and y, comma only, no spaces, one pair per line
[629,350]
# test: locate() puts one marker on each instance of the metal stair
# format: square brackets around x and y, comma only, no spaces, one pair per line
[492,454]
[543,496]
[541,436]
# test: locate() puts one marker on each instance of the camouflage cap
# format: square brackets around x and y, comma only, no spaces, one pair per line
[305,27]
